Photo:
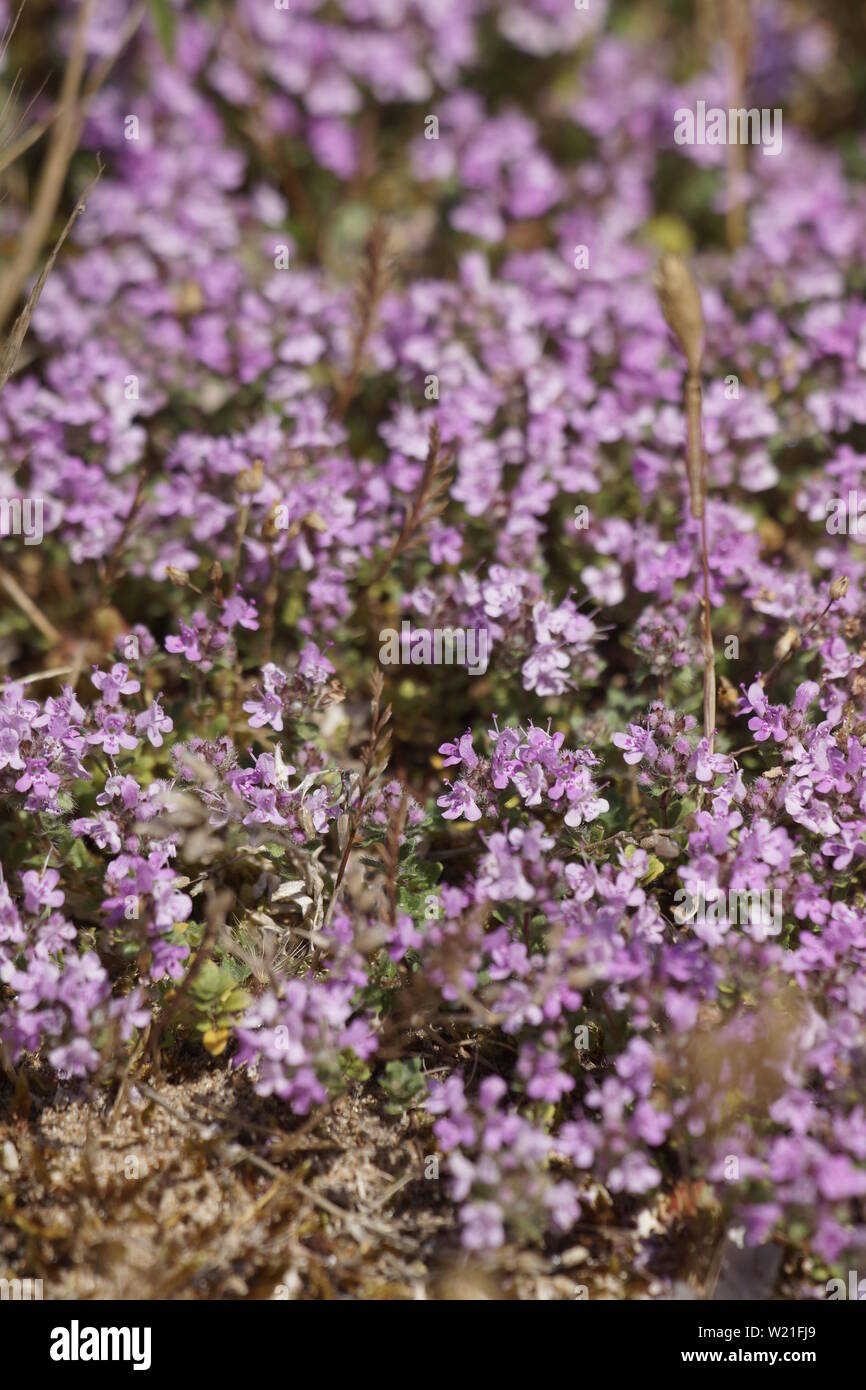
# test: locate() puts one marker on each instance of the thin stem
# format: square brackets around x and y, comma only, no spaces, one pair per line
[26,604]
[765,680]
[368,299]
[110,573]
[18,331]
[269,603]
[63,140]
[708,650]
[737,26]
[693,401]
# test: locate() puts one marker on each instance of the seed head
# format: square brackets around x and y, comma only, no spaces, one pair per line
[839,587]
[681,305]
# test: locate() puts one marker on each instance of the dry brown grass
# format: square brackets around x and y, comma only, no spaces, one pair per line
[215,1193]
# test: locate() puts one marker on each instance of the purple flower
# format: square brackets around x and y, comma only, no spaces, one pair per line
[268,708]
[768,719]
[459,803]
[191,640]
[313,666]
[240,612]
[111,685]
[483,1227]
[154,722]
[638,743]
[461,751]
[40,890]
[112,733]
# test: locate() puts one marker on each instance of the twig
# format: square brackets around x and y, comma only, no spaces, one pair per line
[13,151]
[44,675]
[26,604]
[18,331]
[838,590]
[367,299]
[9,30]
[123,1085]
[30,137]
[289,1139]
[374,760]
[681,306]
[392,1190]
[427,503]
[247,483]
[64,139]
[109,573]
[738,32]
[102,69]
[707,636]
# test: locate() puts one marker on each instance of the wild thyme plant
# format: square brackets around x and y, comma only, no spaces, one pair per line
[349,333]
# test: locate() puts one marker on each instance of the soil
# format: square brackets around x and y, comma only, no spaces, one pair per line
[193,1187]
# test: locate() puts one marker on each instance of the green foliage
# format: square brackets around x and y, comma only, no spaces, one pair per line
[162,15]
[217,1001]
[403,1084]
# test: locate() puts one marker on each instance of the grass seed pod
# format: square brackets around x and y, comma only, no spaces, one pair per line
[680,303]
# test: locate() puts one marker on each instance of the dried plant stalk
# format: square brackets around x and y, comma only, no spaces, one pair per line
[62,144]
[838,590]
[681,305]
[18,331]
[374,761]
[707,645]
[27,606]
[389,853]
[738,33]
[428,502]
[11,148]
[693,401]
[65,122]
[368,297]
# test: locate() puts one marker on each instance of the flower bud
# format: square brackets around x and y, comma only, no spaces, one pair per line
[270,527]
[250,479]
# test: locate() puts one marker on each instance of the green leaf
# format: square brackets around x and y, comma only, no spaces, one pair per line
[237,1001]
[402,1083]
[163,22]
[669,233]
[656,868]
[686,808]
